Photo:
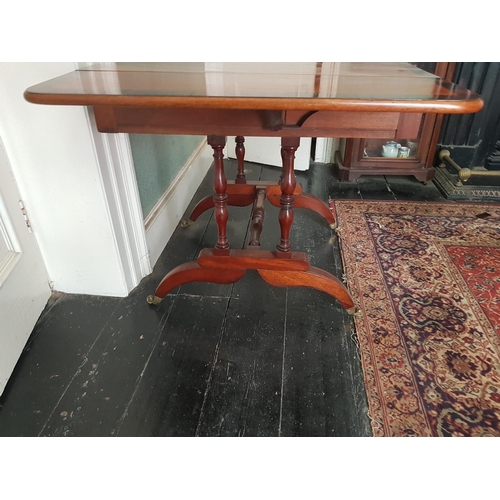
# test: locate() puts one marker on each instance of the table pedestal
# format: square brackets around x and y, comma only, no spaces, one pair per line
[282,267]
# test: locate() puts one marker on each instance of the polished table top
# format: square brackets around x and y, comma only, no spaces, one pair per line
[379,87]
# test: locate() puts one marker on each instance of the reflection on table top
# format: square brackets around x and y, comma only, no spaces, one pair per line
[309,85]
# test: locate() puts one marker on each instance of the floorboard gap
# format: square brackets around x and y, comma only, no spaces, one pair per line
[283,362]
[161,325]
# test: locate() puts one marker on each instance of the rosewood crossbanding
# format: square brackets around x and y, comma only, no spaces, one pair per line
[286,100]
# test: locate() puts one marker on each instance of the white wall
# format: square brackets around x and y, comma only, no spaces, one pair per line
[54,160]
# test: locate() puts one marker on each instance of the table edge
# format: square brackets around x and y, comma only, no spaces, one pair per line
[445,106]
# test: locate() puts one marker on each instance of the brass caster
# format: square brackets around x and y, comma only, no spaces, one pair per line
[153,300]
[187,223]
[354,311]
[333,226]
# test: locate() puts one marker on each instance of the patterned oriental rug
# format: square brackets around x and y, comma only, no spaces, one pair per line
[427,279]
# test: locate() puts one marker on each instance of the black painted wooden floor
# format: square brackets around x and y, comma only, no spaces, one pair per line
[211,360]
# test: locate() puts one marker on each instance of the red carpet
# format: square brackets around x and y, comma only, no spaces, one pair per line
[427,278]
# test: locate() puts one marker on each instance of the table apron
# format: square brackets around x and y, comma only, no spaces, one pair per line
[256,122]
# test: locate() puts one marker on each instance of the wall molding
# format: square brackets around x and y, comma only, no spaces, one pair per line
[123,202]
[161,222]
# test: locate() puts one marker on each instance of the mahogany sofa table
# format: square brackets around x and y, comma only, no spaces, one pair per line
[286,100]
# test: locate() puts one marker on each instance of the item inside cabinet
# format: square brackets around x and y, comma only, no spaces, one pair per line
[376,148]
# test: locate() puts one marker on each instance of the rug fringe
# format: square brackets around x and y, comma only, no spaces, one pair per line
[342,242]
[354,338]
[376,425]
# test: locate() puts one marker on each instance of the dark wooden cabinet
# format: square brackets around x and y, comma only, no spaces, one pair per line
[358,157]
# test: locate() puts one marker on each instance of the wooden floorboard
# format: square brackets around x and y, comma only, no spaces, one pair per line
[245,359]
[58,348]
[171,392]
[244,395]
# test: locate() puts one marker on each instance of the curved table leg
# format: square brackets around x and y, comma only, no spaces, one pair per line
[311,202]
[202,206]
[313,278]
[192,271]
[234,200]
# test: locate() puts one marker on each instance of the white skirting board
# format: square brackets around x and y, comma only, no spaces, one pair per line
[166,214]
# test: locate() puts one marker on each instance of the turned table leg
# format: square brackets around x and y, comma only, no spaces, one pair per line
[240,156]
[220,197]
[287,183]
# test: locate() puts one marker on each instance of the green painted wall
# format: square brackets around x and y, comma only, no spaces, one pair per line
[158,159]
